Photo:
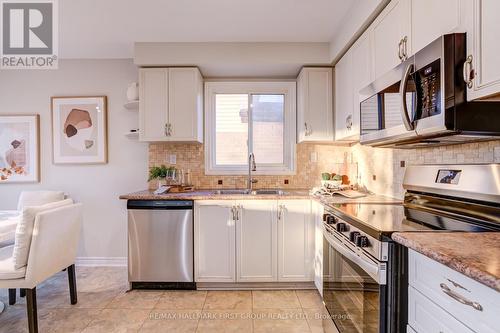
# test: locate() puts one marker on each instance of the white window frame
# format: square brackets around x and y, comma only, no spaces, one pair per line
[286,88]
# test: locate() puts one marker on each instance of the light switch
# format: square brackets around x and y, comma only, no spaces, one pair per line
[314,157]
[172,159]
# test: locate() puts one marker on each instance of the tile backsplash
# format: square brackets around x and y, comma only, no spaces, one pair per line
[381,170]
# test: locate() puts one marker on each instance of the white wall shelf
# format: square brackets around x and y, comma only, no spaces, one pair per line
[132,105]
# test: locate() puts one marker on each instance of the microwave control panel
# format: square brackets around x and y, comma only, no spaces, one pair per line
[428,84]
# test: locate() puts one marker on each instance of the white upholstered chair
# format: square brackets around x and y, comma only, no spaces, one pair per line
[38,198]
[53,246]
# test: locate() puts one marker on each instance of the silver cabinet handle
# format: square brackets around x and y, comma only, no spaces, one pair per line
[166,129]
[402,91]
[459,298]
[233,212]
[405,48]
[469,73]
[281,209]
[348,122]
[307,130]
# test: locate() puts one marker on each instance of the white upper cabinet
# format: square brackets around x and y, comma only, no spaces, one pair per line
[314,105]
[483,49]
[343,97]
[295,240]
[391,36]
[214,241]
[431,19]
[352,73]
[171,104]
[256,238]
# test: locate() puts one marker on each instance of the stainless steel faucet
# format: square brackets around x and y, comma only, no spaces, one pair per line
[251,167]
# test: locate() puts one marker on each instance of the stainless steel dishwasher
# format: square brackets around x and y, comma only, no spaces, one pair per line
[160,244]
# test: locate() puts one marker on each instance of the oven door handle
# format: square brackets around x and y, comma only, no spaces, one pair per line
[376,270]
[402,91]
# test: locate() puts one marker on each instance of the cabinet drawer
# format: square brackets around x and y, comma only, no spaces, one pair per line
[443,285]
[426,317]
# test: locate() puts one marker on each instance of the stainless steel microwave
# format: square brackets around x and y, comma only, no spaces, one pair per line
[423,101]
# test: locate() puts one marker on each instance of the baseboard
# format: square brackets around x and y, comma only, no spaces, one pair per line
[102,261]
[254,285]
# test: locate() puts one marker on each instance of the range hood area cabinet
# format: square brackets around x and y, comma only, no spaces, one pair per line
[315,105]
[170,104]
[401,30]
[253,241]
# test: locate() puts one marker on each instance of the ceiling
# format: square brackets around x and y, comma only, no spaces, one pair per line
[109,28]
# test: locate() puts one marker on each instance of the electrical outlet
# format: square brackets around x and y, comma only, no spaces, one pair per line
[374,177]
[172,159]
[313,157]
[219,182]
[286,182]
[402,164]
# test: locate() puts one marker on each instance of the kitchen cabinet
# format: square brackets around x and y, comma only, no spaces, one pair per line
[171,104]
[391,33]
[441,299]
[483,49]
[295,241]
[343,97]
[353,72]
[256,241]
[447,16]
[315,105]
[317,213]
[214,241]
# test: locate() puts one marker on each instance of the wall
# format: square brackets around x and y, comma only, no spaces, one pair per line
[96,186]
[360,162]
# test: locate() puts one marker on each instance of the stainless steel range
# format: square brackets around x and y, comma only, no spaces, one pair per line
[364,271]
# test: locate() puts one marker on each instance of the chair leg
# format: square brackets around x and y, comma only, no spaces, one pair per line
[22,293]
[72,284]
[32,312]
[12,296]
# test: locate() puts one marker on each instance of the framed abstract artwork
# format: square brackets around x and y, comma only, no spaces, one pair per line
[79,130]
[19,149]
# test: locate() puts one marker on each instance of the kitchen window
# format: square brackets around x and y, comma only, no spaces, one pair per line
[250,117]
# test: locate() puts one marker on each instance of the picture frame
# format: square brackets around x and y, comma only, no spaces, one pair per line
[19,149]
[79,130]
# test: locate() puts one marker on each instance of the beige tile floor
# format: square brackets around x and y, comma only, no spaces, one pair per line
[105,306]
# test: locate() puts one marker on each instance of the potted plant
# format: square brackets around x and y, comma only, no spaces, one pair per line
[162,173]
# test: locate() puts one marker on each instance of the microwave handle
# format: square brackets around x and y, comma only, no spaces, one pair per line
[402,91]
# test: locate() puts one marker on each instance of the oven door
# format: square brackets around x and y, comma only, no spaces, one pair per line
[352,289]
[386,116]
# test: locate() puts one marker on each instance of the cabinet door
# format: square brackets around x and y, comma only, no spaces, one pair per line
[295,240]
[314,103]
[445,15]
[392,25]
[318,245]
[256,238]
[185,100]
[153,95]
[343,96]
[214,241]
[483,46]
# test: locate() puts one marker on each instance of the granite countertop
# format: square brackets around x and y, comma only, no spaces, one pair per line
[288,194]
[453,250]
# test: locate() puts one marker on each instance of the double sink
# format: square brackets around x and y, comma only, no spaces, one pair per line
[248,192]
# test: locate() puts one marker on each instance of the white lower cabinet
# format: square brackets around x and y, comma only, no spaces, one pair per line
[214,241]
[317,213]
[254,241]
[295,241]
[444,300]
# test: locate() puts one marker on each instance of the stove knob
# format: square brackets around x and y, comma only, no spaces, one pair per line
[353,235]
[341,227]
[325,216]
[362,241]
[330,219]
